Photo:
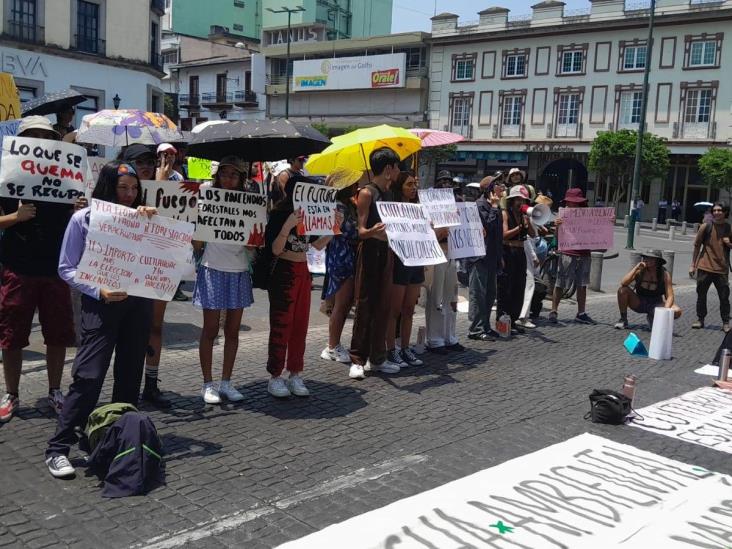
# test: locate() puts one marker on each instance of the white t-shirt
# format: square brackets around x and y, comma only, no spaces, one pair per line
[229,258]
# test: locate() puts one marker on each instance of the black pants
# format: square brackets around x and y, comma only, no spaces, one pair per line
[122,327]
[482,295]
[512,283]
[704,279]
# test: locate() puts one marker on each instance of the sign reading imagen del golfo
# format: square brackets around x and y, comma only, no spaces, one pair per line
[42,170]
[319,206]
[410,235]
[441,207]
[466,240]
[350,73]
[230,217]
[126,251]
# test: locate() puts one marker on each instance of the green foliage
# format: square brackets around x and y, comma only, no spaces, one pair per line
[716,167]
[437,154]
[327,131]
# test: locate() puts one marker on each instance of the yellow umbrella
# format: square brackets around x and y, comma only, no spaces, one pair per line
[352,150]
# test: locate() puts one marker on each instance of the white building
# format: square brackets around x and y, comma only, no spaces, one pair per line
[102,48]
[534,91]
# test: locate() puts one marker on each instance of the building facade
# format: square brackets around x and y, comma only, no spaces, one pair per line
[533,92]
[51,45]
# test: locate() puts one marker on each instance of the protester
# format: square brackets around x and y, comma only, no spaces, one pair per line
[676,210]
[293,167]
[482,271]
[374,268]
[223,283]
[532,264]
[29,249]
[405,287]
[512,280]
[638,211]
[64,119]
[516,177]
[289,294]
[167,159]
[340,263]
[112,322]
[652,287]
[710,264]
[573,265]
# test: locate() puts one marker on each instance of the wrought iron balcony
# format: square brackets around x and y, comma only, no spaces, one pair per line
[245,98]
[189,100]
[217,98]
[89,44]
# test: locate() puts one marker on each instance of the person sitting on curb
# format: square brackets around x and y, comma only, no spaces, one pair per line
[652,287]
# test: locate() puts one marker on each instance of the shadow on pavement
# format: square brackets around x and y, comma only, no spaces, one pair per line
[178,448]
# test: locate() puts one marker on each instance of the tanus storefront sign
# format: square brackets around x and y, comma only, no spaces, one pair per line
[350,73]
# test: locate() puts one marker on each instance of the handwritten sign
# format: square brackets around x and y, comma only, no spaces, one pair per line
[232,217]
[410,235]
[42,169]
[9,98]
[703,417]
[94,165]
[586,228]
[8,128]
[441,207]
[318,204]
[128,252]
[199,168]
[466,240]
[175,199]
[584,492]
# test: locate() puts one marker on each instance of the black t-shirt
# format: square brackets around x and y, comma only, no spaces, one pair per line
[32,247]
[294,242]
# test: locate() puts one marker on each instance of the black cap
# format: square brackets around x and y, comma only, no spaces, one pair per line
[135,151]
[444,174]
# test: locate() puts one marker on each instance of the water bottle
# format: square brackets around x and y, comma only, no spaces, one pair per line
[419,348]
[629,386]
[724,361]
[503,326]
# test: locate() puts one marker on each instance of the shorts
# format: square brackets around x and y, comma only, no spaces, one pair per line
[20,296]
[647,305]
[573,268]
[404,276]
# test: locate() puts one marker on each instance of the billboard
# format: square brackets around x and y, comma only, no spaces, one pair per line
[350,73]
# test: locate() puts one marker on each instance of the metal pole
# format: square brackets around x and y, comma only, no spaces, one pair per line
[287,68]
[635,188]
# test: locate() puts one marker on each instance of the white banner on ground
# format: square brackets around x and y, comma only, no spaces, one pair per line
[466,240]
[708,370]
[441,207]
[318,202]
[231,217]
[128,252]
[42,170]
[702,416]
[410,235]
[586,492]
[175,199]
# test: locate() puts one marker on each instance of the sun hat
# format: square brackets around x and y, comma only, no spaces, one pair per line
[165,147]
[518,191]
[36,122]
[233,161]
[575,196]
[518,171]
[543,199]
[444,174]
[343,177]
[656,254]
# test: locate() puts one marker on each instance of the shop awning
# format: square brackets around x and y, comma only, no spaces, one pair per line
[501,156]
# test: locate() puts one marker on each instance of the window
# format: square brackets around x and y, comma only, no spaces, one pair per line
[22,22]
[460,112]
[221,80]
[568,108]
[193,88]
[703,53]
[511,118]
[515,65]
[154,45]
[464,69]
[634,58]
[630,108]
[87,27]
[170,57]
[698,106]
[90,106]
[572,62]
[27,93]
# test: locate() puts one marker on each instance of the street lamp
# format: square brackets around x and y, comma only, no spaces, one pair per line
[635,187]
[116,100]
[289,12]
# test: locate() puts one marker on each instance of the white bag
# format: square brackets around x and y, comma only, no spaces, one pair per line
[662,334]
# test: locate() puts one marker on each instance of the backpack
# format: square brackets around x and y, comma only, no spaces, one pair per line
[708,234]
[102,418]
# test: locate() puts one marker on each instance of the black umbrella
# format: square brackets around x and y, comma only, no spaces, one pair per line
[256,140]
[52,103]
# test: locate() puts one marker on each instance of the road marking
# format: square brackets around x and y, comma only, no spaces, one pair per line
[236,520]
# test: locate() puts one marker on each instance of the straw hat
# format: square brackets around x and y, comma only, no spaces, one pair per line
[340,178]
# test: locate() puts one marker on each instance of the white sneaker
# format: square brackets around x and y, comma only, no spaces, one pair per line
[60,466]
[210,394]
[385,367]
[227,391]
[277,387]
[336,354]
[356,372]
[297,386]
[524,323]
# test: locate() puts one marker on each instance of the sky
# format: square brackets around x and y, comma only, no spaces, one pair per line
[414,15]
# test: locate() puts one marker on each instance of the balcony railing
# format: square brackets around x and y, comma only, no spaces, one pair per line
[24,32]
[186,99]
[245,96]
[88,44]
[215,98]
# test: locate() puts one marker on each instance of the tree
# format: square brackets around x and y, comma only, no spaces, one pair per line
[715,166]
[329,131]
[613,153]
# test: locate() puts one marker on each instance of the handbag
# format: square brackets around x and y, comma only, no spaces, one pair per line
[608,406]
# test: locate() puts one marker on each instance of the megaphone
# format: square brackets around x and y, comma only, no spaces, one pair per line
[539,214]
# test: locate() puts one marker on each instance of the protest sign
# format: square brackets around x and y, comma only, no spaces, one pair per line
[410,235]
[318,204]
[441,207]
[8,128]
[175,199]
[199,168]
[126,251]
[466,240]
[586,228]
[94,166]
[9,98]
[316,260]
[231,217]
[42,169]
[585,492]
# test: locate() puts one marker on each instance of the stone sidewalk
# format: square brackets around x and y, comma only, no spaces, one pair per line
[264,471]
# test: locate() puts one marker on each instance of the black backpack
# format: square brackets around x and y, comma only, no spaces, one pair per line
[608,406]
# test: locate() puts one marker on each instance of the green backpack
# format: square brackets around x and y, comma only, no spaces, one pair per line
[102,418]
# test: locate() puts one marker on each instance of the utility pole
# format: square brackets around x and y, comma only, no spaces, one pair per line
[635,187]
[289,12]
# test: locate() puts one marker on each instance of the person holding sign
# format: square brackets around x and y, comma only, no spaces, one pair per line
[111,322]
[289,289]
[29,250]
[223,283]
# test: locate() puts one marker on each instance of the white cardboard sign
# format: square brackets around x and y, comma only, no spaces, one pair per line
[441,207]
[410,235]
[466,239]
[231,217]
[318,203]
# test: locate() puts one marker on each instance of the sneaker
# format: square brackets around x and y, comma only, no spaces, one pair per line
[56,400]
[8,406]
[152,394]
[60,467]
[394,357]
[698,324]
[621,324]
[180,296]
[553,317]
[277,387]
[336,354]
[210,394]
[297,386]
[227,391]
[410,358]
[493,334]
[356,372]
[385,367]
[455,347]
[522,322]
[584,318]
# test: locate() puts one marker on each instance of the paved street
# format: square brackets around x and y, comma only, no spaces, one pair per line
[265,471]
